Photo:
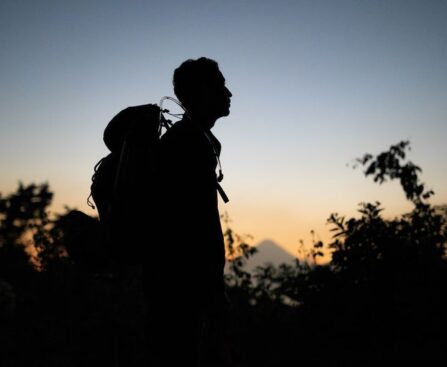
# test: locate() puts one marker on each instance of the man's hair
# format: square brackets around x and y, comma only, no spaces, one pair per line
[190,75]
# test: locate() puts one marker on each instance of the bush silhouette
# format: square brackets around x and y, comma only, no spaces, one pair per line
[381,297]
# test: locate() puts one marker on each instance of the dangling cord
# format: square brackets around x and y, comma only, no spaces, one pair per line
[220,177]
[173,100]
[213,147]
[89,203]
[163,122]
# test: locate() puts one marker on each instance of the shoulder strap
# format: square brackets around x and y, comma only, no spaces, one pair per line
[215,146]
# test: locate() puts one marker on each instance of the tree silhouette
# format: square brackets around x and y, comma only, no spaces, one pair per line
[380,299]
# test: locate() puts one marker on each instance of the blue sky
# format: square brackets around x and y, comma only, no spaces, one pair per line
[315,84]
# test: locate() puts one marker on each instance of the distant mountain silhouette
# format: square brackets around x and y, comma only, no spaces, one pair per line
[269,252]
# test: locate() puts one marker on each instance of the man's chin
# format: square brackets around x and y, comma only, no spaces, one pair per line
[224,113]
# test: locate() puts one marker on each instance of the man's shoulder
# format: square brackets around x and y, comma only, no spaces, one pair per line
[182,133]
[179,130]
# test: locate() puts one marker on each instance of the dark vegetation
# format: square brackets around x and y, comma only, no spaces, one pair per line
[380,299]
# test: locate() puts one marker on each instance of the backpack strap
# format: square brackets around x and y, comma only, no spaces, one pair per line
[222,193]
[212,140]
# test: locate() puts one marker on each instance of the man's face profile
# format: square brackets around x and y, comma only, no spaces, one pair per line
[216,97]
[200,87]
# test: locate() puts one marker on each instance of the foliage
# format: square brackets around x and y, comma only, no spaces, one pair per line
[382,293]
[379,299]
[237,252]
[23,231]
[390,165]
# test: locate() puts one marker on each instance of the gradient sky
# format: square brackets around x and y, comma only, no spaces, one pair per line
[315,84]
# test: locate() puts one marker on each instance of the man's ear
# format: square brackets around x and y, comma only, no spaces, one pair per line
[199,103]
[203,94]
[202,90]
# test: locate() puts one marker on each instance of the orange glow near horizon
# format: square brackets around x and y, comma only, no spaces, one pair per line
[287,226]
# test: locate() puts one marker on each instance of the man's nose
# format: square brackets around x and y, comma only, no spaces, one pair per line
[228,92]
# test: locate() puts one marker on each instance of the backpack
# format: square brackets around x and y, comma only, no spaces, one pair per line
[117,185]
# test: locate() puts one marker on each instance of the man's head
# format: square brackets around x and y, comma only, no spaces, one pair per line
[200,87]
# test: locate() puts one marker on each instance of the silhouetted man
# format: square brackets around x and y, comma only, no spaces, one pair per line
[184,272]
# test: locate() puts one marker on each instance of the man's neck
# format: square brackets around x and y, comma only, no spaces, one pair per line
[204,122]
